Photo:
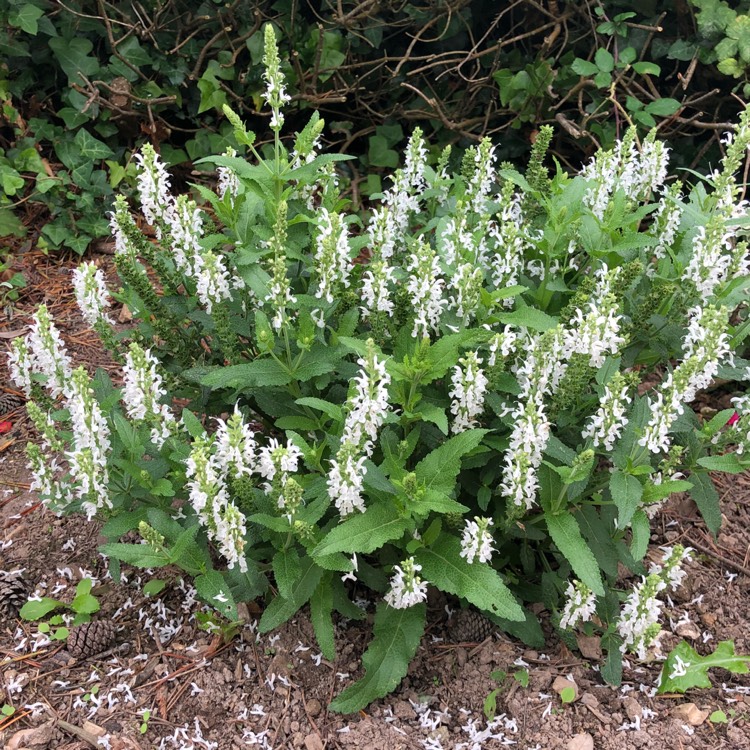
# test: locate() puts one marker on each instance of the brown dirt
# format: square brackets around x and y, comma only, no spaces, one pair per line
[272,691]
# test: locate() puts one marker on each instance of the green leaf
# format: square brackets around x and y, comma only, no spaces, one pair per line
[154,586]
[568,695]
[286,571]
[26,18]
[684,658]
[476,582]
[490,705]
[281,609]
[567,537]
[707,499]
[262,373]
[85,604]
[192,424]
[214,590]
[654,492]
[321,607]
[35,610]
[729,462]
[436,415]
[364,532]
[529,317]
[396,637]
[718,717]
[73,56]
[626,492]
[584,67]
[140,555]
[641,534]
[439,469]
[92,148]
[663,107]
[332,410]
[647,68]
[604,60]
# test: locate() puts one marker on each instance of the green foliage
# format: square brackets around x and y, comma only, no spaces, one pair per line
[440,392]
[685,668]
[83,605]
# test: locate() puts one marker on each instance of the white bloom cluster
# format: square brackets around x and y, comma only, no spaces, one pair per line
[595,331]
[580,605]
[670,568]
[382,233]
[375,289]
[236,449]
[624,168]
[44,471]
[143,390]
[208,496]
[705,346]
[468,392]
[415,159]
[91,293]
[229,183]
[504,343]
[153,187]
[480,182]
[47,354]
[91,445]
[466,285]
[280,293]
[186,230]
[121,223]
[638,624]
[407,588]
[456,239]
[738,430]
[275,93]
[278,461]
[332,261]
[476,540]
[711,258]
[20,365]
[426,288]
[605,426]
[667,220]
[367,409]
[212,284]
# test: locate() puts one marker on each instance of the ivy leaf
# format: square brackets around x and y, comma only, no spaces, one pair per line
[566,535]
[663,107]
[476,582]
[26,18]
[396,636]
[685,668]
[364,532]
[74,57]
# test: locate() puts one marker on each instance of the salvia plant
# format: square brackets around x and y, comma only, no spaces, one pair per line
[481,385]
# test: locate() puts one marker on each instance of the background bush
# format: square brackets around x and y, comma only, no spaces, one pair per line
[83,83]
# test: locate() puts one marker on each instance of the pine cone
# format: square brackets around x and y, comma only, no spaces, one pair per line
[10,402]
[470,626]
[91,638]
[13,593]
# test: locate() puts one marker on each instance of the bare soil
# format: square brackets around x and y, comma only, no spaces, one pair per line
[273,691]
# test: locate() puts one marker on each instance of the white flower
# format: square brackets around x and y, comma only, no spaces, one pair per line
[153,188]
[345,479]
[480,182]
[466,283]
[91,293]
[711,258]
[121,223]
[228,181]
[368,406]
[415,161]
[425,287]
[48,353]
[670,569]
[468,392]
[275,93]
[332,262]
[143,389]
[212,284]
[235,445]
[382,233]
[638,624]
[606,425]
[580,605]
[275,459]
[186,229]
[504,343]
[476,541]
[279,293]
[20,365]
[375,289]
[407,588]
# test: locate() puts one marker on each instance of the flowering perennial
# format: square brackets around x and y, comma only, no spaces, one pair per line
[91,293]
[580,605]
[469,388]
[407,588]
[476,541]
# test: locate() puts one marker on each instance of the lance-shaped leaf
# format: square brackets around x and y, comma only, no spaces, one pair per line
[476,582]
[439,469]
[396,636]
[685,668]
